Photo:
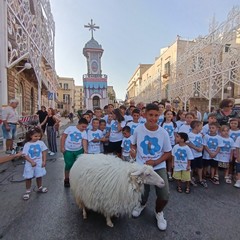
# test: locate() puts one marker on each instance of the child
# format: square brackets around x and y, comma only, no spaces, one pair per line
[180,119]
[170,127]
[226,152]
[35,152]
[196,145]
[153,148]
[104,142]
[186,126]
[142,118]
[73,143]
[109,122]
[126,144]
[95,137]
[182,156]
[135,122]
[161,113]
[212,143]
[211,118]
[88,118]
[98,113]
[115,137]
[237,145]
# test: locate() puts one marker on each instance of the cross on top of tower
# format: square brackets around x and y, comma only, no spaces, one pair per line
[92,27]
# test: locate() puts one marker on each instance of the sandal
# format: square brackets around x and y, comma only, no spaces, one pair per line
[42,190]
[179,189]
[187,190]
[214,180]
[26,195]
[228,180]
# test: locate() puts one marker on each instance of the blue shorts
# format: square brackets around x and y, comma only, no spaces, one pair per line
[11,133]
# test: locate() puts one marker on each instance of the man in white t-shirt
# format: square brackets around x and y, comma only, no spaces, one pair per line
[10,120]
[153,147]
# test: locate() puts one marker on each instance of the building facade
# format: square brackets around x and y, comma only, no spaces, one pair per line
[79,98]
[27,67]
[66,95]
[94,82]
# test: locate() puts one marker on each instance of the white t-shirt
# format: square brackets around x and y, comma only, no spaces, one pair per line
[205,129]
[185,128]
[171,130]
[179,124]
[132,125]
[94,147]
[225,151]
[126,146]
[128,118]
[142,120]
[115,135]
[34,150]
[10,114]
[234,134]
[74,138]
[212,142]
[151,144]
[160,119]
[181,156]
[237,143]
[197,141]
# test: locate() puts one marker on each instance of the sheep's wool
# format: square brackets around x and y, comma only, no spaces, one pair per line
[103,183]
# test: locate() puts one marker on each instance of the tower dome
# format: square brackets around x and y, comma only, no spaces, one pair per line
[93,44]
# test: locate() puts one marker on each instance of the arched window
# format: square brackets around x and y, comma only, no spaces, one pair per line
[96,102]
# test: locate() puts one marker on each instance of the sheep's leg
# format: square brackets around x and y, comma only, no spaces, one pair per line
[84,212]
[109,221]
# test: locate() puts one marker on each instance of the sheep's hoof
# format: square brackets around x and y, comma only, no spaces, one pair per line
[110,224]
[84,217]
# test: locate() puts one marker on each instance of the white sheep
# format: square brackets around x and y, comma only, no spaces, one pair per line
[106,184]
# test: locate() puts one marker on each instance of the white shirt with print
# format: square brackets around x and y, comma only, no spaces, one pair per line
[126,146]
[181,155]
[234,134]
[171,130]
[142,120]
[197,140]
[115,135]
[212,142]
[205,129]
[132,125]
[74,138]
[179,124]
[94,147]
[185,128]
[151,144]
[225,151]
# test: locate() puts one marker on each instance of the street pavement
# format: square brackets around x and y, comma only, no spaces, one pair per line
[211,214]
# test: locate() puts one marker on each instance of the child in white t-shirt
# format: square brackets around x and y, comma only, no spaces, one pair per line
[212,143]
[182,156]
[104,142]
[35,153]
[161,113]
[73,143]
[180,119]
[186,126]
[142,118]
[225,155]
[95,137]
[126,144]
[237,163]
[134,123]
[211,118]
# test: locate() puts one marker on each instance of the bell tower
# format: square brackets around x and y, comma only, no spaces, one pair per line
[94,82]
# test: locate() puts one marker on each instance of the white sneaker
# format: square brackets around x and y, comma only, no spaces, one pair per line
[52,153]
[237,184]
[137,210]
[161,221]
[49,152]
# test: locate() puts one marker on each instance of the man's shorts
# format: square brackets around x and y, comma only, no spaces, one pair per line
[70,158]
[11,133]
[183,175]
[210,162]
[162,193]
[197,163]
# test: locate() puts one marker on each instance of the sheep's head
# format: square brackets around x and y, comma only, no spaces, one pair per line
[146,175]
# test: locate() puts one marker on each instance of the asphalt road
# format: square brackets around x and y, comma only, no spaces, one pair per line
[211,213]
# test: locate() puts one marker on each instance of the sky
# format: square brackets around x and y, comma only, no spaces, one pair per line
[132,32]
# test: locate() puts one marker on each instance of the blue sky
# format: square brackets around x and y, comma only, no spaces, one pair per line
[131,32]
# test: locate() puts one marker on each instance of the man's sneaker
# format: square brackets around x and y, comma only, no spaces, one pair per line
[66,183]
[161,221]
[137,210]
[237,184]
[52,153]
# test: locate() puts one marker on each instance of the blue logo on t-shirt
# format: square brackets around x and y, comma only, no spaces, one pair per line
[126,145]
[114,127]
[96,135]
[133,128]
[234,136]
[197,141]
[181,154]
[75,136]
[35,151]
[169,129]
[150,145]
[212,143]
[226,147]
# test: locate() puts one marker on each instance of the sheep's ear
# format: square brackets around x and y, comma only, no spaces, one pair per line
[139,172]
